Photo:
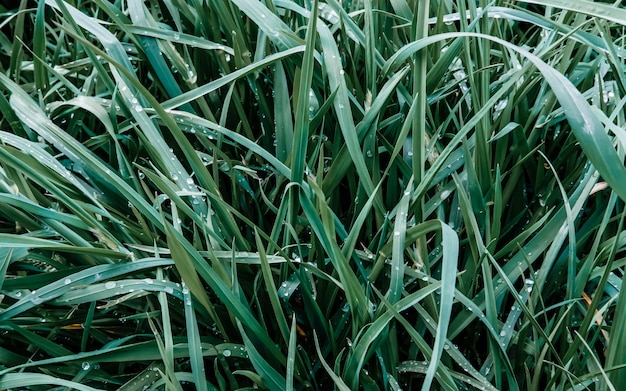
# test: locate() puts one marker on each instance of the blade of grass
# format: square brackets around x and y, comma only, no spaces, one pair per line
[291,356]
[26,379]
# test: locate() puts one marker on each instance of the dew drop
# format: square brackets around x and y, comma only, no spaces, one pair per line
[85,365]
[226,353]
[67,281]
[110,285]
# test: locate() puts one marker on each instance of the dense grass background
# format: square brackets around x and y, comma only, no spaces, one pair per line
[292,195]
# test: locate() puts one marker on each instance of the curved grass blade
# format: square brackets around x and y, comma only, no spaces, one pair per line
[586,126]
[228,79]
[450,244]
[339,383]
[599,10]
[87,276]
[272,378]
[277,30]
[26,379]
[362,347]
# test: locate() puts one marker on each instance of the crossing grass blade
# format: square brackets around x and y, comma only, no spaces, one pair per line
[270,377]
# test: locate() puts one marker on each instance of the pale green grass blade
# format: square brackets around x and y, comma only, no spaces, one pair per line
[226,80]
[166,324]
[39,47]
[591,8]
[5,259]
[448,281]
[291,357]
[25,379]
[176,37]
[399,237]
[302,97]
[195,347]
[370,49]
[418,129]
[167,160]
[282,115]
[23,241]
[88,276]
[279,32]
[615,354]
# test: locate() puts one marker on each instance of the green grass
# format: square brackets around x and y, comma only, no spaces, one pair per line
[294,195]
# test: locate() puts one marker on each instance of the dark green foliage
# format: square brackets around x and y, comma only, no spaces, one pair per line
[374,195]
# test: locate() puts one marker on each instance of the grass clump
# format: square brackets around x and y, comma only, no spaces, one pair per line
[305,195]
